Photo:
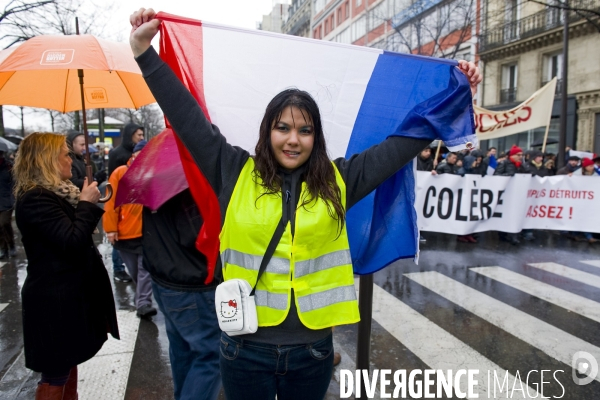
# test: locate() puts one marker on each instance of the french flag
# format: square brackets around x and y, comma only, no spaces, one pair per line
[364,96]
[492,165]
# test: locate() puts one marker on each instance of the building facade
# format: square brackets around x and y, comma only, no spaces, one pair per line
[298,18]
[521,47]
[273,22]
[439,28]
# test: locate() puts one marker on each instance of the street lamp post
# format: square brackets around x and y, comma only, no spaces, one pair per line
[562,141]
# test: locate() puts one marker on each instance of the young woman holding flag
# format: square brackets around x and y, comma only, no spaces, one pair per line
[308,287]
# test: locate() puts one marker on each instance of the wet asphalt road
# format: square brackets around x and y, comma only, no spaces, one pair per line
[443,313]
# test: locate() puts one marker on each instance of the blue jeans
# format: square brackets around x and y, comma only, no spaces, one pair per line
[193,332]
[117,261]
[259,371]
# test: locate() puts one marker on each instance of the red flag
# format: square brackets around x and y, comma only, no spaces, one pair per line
[172,51]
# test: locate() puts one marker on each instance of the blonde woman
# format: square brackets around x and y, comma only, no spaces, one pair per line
[68,305]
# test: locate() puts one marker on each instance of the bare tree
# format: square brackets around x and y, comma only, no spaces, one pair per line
[150,117]
[21,20]
[586,9]
[27,19]
[440,31]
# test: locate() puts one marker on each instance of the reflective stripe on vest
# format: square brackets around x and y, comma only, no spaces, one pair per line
[322,263]
[272,300]
[326,298]
[315,262]
[248,261]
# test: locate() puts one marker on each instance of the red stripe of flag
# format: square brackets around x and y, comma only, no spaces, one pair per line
[189,33]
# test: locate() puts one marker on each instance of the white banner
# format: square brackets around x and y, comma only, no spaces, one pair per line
[463,205]
[532,113]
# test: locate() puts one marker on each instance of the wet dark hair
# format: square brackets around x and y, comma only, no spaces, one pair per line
[319,173]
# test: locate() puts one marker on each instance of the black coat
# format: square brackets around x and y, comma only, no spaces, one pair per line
[67,299]
[78,171]
[122,153]
[535,171]
[445,168]
[508,168]
[7,200]
[424,165]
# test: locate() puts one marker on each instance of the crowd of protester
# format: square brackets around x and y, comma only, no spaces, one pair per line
[513,161]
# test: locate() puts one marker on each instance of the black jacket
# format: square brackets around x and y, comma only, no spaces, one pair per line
[445,168]
[122,153]
[508,168]
[222,163]
[7,199]
[567,169]
[78,165]
[168,240]
[67,298]
[424,165]
[535,171]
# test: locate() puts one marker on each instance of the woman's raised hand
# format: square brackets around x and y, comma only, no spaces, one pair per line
[144,26]
[90,192]
[472,72]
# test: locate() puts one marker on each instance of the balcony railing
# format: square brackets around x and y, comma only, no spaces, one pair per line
[558,86]
[508,95]
[532,25]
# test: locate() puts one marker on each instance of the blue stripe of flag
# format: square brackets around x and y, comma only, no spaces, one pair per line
[409,96]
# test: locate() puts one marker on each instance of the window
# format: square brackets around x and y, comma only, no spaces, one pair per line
[378,15]
[339,15]
[511,11]
[332,23]
[345,36]
[319,5]
[508,93]
[552,66]
[359,29]
[358,3]
[347,10]
[326,26]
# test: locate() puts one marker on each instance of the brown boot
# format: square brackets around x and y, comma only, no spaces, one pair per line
[46,392]
[71,386]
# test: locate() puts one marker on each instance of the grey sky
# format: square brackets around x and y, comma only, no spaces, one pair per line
[240,13]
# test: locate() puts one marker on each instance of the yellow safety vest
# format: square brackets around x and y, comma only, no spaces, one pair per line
[316,262]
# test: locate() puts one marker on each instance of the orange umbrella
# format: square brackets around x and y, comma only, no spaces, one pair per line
[43,72]
[70,73]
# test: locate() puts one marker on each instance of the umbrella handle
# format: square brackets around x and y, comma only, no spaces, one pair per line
[109,189]
[109,193]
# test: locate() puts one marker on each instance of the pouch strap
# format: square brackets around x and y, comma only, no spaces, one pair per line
[270,250]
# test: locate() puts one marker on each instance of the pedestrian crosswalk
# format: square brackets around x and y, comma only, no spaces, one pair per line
[539,334]
[3,306]
[436,347]
[568,272]
[528,321]
[544,291]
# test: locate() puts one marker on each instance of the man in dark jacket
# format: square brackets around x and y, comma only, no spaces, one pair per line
[513,164]
[424,160]
[479,168]
[179,272]
[535,166]
[448,166]
[509,167]
[7,202]
[572,166]
[76,144]
[131,135]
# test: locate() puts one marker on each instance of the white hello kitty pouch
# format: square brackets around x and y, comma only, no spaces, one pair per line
[236,309]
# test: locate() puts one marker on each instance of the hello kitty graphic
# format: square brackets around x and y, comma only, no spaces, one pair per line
[229,309]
